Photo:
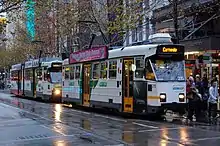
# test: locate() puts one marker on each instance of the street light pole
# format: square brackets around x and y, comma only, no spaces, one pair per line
[175,19]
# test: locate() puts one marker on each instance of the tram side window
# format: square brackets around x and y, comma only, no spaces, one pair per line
[96,71]
[77,72]
[139,72]
[67,72]
[112,69]
[149,71]
[28,74]
[72,72]
[104,69]
[14,75]
[39,74]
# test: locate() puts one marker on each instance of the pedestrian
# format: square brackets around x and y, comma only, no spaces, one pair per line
[192,96]
[213,96]
[199,94]
[205,93]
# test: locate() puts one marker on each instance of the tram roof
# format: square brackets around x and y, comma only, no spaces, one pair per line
[48,64]
[138,50]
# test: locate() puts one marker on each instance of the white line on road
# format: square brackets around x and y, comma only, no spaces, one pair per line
[143,125]
[43,138]
[112,118]
[14,120]
[207,138]
[161,129]
[54,130]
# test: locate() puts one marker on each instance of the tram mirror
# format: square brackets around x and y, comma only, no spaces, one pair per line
[133,67]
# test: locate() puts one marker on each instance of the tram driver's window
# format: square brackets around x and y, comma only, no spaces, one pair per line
[149,71]
[139,63]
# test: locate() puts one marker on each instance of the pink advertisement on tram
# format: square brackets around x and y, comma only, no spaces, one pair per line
[95,53]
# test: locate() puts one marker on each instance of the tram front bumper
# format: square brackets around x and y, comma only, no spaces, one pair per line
[57,94]
[175,107]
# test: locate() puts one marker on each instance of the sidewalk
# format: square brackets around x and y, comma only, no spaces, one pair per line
[15,129]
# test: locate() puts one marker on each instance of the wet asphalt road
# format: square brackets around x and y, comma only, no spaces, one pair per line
[25,122]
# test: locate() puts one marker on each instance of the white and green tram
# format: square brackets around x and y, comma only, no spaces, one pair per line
[136,79]
[43,80]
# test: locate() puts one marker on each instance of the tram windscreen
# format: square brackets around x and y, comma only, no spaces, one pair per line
[56,77]
[56,73]
[169,70]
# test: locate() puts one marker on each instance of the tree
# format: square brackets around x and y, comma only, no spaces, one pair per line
[10,5]
[63,24]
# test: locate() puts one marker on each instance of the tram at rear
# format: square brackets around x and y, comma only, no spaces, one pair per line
[16,80]
[166,81]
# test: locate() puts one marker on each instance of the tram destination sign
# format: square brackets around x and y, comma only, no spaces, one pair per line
[95,53]
[170,51]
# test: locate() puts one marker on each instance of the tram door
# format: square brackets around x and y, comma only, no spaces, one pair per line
[34,83]
[128,86]
[86,85]
[19,81]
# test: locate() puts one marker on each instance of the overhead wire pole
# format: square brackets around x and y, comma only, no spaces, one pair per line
[175,20]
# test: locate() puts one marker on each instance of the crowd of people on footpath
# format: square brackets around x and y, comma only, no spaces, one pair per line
[202,97]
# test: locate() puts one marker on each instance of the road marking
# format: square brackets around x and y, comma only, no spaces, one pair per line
[55,130]
[107,117]
[161,129]
[115,145]
[143,125]
[47,119]
[207,138]
[42,138]
[15,120]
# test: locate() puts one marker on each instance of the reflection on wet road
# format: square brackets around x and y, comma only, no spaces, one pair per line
[26,122]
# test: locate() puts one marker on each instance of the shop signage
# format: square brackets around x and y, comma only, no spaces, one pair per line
[207,59]
[96,53]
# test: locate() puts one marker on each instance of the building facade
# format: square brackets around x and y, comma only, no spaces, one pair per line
[198,31]
[145,27]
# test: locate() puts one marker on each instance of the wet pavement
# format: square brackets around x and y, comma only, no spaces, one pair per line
[25,122]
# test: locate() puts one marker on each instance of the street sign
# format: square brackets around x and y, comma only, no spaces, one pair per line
[207,59]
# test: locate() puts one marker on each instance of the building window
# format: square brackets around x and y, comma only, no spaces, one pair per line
[147,28]
[134,35]
[96,70]
[104,69]
[112,69]
[139,72]
[28,74]
[140,34]
[77,72]
[72,71]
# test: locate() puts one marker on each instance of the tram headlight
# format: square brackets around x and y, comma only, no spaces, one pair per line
[181,97]
[163,97]
[57,91]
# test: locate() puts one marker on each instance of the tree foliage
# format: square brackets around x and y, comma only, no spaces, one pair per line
[65,23]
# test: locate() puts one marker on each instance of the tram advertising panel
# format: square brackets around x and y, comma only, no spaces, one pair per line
[173,51]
